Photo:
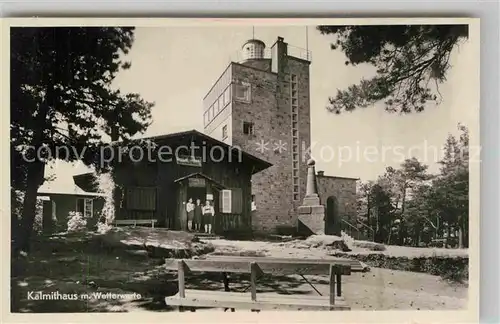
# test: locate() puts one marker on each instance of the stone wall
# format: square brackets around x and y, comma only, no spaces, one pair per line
[343,189]
[270,111]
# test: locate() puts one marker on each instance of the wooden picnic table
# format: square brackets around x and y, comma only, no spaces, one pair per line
[257,267]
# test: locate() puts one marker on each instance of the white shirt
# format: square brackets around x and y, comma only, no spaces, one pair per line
[208,210]
[189,207]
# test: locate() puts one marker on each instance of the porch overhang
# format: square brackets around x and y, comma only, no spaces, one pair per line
[202,176]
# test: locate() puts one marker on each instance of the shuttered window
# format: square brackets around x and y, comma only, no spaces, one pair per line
[141,198]
[226,201]
[231,201]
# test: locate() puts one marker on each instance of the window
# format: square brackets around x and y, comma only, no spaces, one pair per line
[226,201]
[209,114]
[227,96]
[224,132]
[205,117]
[85,206]
[295,135]
[231,201]
[242,92]
[253,204]
[248,128]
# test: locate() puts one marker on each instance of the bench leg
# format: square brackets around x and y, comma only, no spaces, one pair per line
[332,284]
[226,286]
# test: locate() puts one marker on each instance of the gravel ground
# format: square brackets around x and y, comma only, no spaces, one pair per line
[379,289]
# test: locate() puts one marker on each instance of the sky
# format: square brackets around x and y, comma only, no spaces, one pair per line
[176,66]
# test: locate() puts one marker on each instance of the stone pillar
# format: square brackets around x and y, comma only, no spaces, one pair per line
[311,214]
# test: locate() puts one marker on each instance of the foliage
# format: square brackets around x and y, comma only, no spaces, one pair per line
[76,222]
[453,268]
[103,228]
[408,206]
[369,245]
[62,101]
[38,224]
[408,60]
[106,185]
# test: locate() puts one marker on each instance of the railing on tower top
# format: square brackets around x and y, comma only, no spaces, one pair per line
[293,51]
[300,53]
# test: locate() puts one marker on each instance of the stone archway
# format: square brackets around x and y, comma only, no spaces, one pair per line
[332,219]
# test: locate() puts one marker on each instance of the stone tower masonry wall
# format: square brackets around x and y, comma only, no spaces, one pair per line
[344,189]
[270,111]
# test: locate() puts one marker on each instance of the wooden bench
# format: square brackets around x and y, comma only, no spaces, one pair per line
[257,267]
[135,222]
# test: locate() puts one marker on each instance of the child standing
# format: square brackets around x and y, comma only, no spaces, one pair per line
[208,216]
[190,213]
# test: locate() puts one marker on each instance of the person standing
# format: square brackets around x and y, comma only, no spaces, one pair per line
[198,213]
[190,213]
[208,216]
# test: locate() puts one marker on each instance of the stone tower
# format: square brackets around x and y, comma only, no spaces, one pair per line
[262,104]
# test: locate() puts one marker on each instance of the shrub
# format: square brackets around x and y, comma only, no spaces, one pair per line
[377,247]
[372,246]
[76,222]
[452,268]
[103,228]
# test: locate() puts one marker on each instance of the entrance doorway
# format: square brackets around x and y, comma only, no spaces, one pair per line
[197,193]
[196,186]
[332,220]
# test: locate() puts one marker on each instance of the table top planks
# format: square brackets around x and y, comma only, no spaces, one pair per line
[271,266]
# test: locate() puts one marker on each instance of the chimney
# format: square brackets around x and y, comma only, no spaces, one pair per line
[321,173]
[279,52]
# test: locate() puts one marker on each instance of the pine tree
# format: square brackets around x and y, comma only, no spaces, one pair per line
[62,97]
[409,60]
